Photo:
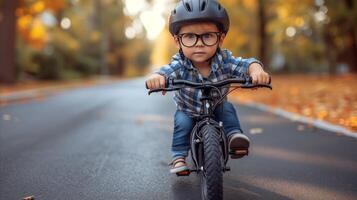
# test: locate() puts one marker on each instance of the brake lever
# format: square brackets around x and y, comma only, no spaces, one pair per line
[156,90]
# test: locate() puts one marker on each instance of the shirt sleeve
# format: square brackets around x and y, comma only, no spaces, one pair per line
[170,70]
[239,66]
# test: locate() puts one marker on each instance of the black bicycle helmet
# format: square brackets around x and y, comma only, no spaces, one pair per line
[197,11]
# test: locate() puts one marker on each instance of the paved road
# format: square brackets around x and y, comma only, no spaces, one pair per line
[112,142]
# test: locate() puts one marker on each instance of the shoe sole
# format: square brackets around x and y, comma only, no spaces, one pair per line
[239,147]
[178,169]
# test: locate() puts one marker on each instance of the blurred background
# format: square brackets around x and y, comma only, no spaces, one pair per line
[65,39]
[76,121]
[309,45]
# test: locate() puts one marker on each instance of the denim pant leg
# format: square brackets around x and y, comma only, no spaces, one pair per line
[226,113]
[183,126]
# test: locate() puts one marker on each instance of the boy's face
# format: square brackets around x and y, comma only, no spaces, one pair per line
[207,38]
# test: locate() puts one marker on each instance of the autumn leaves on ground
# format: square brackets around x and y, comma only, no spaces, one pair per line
[329,98]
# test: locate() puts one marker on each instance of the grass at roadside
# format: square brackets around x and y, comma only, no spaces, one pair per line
[329,98]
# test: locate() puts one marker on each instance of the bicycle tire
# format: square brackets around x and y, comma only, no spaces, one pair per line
[212,175]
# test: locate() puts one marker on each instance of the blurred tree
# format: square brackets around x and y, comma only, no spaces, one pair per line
[98,23]
[113,26]
[54,34]
[341,34]
[163,49]
[36,20]
[352,33]
[263,41]
[75,38]
[242,36]
[248,36]
[7,40]
[297,37]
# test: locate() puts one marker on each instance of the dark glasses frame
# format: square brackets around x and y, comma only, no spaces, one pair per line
[199,36]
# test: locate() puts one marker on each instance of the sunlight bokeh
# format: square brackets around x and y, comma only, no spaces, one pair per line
[133,7]
[152,17]
[153,23]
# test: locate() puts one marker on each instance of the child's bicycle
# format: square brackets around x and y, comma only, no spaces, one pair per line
[209,145]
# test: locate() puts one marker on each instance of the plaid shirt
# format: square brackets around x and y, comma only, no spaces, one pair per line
[223,66]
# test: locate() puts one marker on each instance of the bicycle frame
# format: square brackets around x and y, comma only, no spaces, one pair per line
[196,142]
[206,116]
[203,136]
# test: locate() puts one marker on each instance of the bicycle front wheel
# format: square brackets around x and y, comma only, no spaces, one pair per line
[212,175]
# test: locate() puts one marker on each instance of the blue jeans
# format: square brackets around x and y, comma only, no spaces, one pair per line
[183,125]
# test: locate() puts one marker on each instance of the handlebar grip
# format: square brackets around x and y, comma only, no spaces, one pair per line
[250,86]
[169,81]
[249,80]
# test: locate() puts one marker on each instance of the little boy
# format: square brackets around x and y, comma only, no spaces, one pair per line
[199,28]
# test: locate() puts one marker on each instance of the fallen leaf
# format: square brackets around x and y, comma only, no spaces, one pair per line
[300,127]
[6,117]
[255,131]
[29,198]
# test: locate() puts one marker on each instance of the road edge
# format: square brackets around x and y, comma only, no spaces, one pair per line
[6,99]
[306,120]
[38,93]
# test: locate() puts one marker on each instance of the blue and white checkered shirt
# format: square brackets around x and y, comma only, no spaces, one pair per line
[223,66]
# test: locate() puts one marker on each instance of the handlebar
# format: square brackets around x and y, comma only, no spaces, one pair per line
[246,82]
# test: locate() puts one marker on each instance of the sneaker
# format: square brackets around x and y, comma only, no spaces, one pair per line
[178,166]
[238,145]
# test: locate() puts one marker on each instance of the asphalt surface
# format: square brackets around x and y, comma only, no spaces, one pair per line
[112,142]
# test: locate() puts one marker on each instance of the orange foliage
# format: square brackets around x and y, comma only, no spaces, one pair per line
[37,7]
[251,5]
[329,98]
[29,25]
[32,30]
[56,6]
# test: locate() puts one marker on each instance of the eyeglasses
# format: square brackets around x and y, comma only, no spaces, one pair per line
[191,39]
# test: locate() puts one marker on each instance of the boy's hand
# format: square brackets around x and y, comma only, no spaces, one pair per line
[259,76]
[156,81]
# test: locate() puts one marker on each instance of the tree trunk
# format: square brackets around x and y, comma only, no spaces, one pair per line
[331,53]
[351,35]
[262,32]
[7,41]
[103,44]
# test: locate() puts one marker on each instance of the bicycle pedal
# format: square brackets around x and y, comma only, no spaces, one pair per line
[183,173]
[241,152]
[238,153]
[226,168]
[29,198]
